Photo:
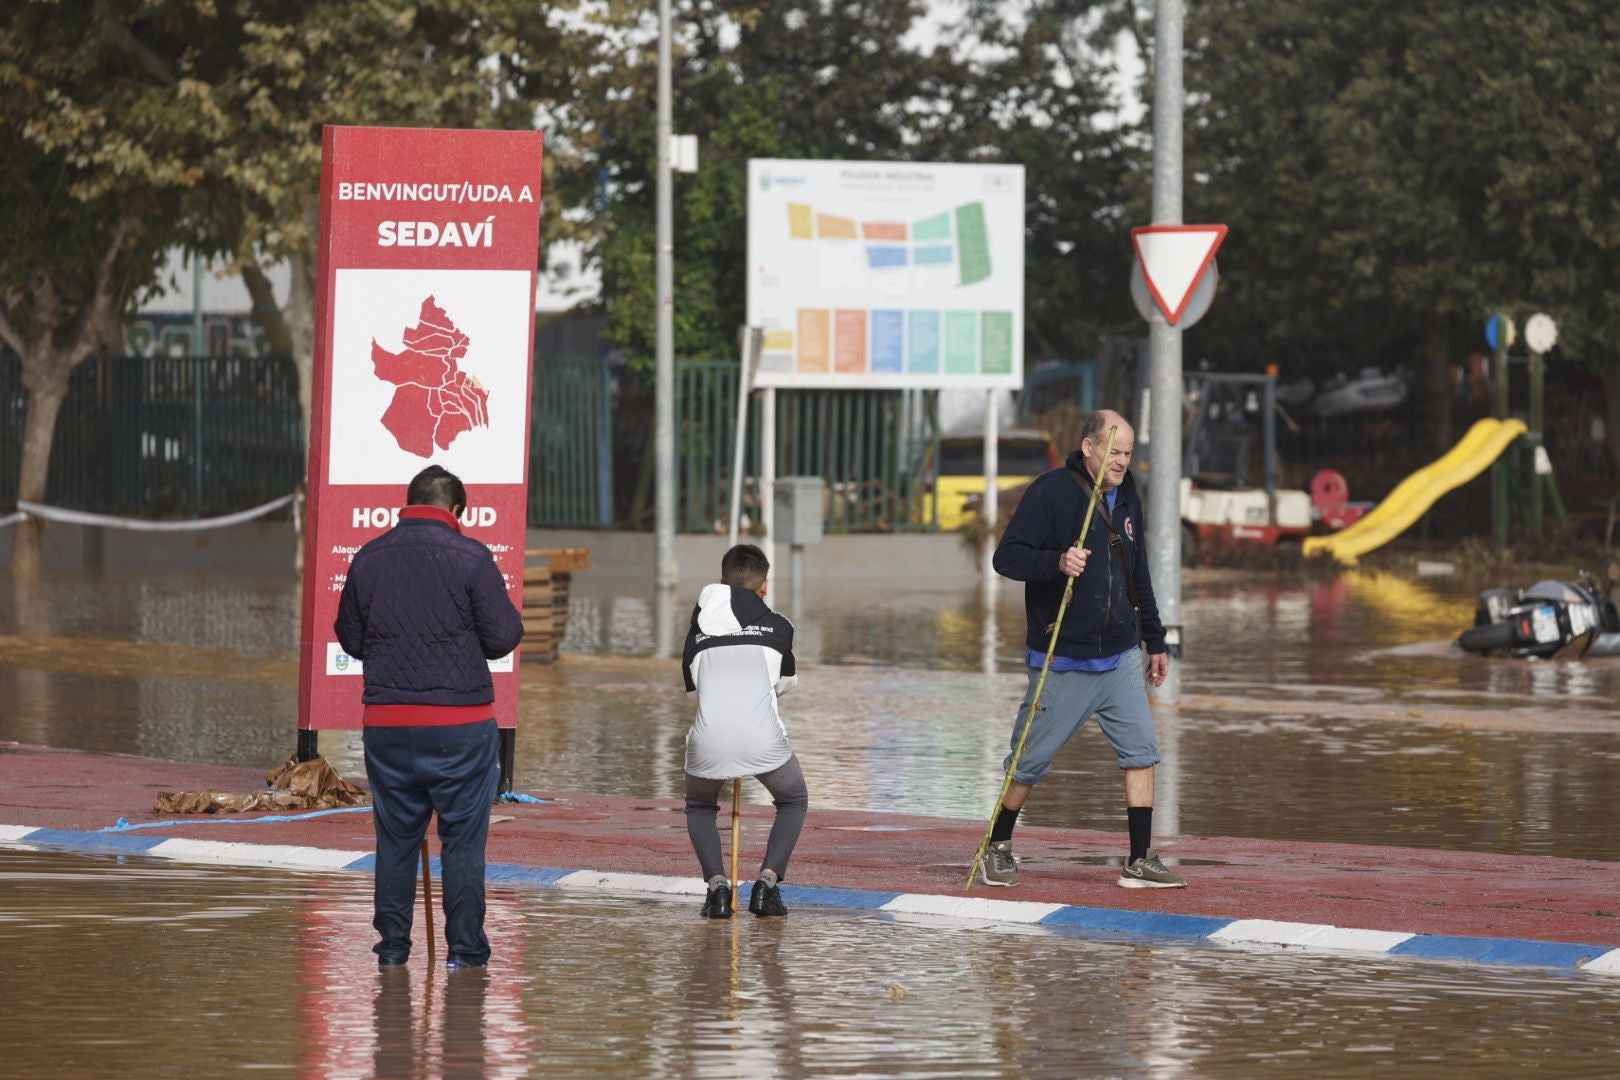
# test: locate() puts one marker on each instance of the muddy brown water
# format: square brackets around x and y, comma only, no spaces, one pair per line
[140,967]
[1327,710]
[1314,709]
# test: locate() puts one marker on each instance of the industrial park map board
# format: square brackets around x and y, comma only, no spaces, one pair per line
[887,274]
[424,333]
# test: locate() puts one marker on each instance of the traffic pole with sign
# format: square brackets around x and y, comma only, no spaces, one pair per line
[1173,282]
[1163,412]
[1540,335]
[1499,335]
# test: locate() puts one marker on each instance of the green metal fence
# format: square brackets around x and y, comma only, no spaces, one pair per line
[868,445]
[571,446]
[199,436]
[164,436]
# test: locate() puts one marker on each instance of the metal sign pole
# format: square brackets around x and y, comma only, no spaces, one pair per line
[1499,333]
[989,508]
[749,340]
[1164,343]
[664,437]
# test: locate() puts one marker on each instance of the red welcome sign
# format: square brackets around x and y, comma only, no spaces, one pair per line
[424,338]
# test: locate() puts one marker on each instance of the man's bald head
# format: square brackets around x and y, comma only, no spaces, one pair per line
[1094,435]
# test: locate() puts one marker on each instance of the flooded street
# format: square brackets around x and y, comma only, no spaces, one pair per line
[1314,710]
[1327,709]
[143,967]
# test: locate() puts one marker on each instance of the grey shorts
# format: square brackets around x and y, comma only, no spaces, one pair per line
[1118,697]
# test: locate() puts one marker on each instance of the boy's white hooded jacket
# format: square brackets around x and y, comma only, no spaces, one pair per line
[738,659]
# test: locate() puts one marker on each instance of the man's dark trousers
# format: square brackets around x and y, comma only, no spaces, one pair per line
[452,770]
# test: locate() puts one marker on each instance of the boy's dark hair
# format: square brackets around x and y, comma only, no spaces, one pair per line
[437,486]
[744,567]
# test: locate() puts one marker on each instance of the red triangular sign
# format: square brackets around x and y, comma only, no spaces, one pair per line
[1174,258]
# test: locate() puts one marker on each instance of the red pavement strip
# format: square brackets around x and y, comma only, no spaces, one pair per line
[1400,890]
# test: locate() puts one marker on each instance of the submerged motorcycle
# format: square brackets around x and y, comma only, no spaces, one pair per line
[1566,619]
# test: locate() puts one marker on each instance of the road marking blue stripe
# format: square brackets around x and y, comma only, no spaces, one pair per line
[1499,950]
[79,841]
[1153,923]
[1598,959]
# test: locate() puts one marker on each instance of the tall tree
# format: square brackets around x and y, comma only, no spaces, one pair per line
[868,81]
[130,126]
[1045,90]
[1550,169]
[1393,171]
[98,146]
[301,64]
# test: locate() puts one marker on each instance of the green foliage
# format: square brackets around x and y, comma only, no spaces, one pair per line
[128,127]
[293,67]
[851,81]
[95,156]
[1388,167]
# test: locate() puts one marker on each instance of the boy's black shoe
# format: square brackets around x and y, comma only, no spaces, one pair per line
[766,899]
[717,905]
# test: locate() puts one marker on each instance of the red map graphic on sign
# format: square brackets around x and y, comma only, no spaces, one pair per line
[436,400]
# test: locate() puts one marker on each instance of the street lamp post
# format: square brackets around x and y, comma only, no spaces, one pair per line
[666,571]
[1164,345]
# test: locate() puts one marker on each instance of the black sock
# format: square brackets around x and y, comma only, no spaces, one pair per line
[1141,824]
[1002,829]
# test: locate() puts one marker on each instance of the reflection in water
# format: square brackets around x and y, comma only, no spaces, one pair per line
[415,1020]
[257,970]
[1330,709]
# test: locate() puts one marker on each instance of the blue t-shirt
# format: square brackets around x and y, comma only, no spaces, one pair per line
[1096,663]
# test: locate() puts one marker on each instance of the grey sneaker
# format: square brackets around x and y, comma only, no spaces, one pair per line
[998,867]
[1149,873]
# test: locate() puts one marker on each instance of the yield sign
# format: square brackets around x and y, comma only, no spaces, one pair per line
[1173,258]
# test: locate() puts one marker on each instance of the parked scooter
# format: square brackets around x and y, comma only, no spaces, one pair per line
[1566,619]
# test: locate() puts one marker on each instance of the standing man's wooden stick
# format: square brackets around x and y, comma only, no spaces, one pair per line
[736,837]
[427,897]
[1046,664]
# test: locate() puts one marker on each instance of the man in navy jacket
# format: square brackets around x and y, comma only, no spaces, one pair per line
[425,609]
[1097,665]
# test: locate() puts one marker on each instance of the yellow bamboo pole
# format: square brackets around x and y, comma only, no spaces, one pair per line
[736,837]
[1046,664]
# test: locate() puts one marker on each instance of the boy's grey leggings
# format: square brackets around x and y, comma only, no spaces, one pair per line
[792,798]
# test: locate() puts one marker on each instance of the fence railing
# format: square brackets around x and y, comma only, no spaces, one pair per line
[164,436]
[571,446]
[868,445]
[158,436]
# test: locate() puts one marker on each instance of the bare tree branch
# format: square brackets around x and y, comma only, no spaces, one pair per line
[121,36]
[1144,51]
[266,313]
[87,329]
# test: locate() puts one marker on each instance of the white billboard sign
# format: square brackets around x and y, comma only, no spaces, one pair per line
[886,275]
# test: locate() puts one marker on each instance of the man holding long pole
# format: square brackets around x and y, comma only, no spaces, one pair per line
[1085,652]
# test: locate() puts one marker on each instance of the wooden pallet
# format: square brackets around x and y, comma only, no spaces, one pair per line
[547,575]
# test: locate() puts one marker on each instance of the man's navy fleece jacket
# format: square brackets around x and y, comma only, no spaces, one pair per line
[425,609]
[1099,621]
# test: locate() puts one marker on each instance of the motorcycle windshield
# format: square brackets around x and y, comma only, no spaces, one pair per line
[1562,592]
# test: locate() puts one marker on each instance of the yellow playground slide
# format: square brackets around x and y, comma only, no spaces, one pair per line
[1471,456]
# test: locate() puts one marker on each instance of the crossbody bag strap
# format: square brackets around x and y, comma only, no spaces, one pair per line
[1113,536]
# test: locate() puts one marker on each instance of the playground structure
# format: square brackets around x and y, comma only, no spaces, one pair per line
[1482,447]
[1412,497]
